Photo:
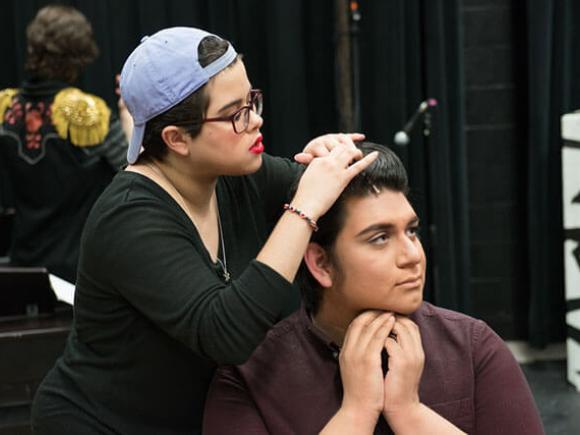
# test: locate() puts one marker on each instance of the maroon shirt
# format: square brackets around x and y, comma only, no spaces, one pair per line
[292,385]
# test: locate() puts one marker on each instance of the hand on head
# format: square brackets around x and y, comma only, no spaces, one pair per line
[124,116]
[120,103]
[322,145]
[326,176]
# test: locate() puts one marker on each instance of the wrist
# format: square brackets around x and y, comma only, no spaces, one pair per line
[404,416]
[358,417]
[309,205]
[290,208]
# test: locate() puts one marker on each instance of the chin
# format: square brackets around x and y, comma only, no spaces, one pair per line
[256,164]
[410,307]
[247,168]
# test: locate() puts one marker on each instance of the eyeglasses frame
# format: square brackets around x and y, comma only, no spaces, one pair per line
[254,93]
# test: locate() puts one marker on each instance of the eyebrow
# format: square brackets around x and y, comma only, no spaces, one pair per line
[385,227]
[234,103]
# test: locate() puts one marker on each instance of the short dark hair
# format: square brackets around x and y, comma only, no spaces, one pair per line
[191,108]
[386,172]
[60,43]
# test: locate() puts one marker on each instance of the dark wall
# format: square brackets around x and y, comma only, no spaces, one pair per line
[495,83]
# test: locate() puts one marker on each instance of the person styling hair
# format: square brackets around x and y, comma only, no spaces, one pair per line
[188,257]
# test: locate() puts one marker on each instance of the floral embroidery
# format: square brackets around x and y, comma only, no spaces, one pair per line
[33,121]
[14,113]
[34,115]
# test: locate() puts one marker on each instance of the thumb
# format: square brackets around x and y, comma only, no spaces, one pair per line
[303,158]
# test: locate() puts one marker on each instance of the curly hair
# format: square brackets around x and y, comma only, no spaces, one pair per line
[60,43]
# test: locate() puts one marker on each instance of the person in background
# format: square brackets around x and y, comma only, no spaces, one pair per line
[366,354]
[188,257]
[59,146]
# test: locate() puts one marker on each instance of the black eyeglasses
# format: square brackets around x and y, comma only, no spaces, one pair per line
[240,119]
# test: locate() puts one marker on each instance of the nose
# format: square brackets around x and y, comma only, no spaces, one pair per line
[411,252]
[255,122]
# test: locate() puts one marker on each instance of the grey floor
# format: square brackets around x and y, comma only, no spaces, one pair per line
[558,401]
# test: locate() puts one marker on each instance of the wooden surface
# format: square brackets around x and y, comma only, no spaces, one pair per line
[29,348]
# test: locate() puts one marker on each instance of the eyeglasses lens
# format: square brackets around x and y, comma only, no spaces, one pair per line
[242,120]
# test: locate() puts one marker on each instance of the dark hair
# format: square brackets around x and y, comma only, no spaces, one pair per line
[60,43]
[386,172]
[191,108]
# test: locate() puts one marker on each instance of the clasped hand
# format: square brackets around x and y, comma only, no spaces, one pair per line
[367,393]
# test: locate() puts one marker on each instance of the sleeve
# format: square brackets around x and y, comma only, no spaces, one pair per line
[274,181]
[503,401]
[166,274]
[114,147]
[229,408]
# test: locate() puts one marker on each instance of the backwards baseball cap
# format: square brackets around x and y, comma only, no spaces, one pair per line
[162,72]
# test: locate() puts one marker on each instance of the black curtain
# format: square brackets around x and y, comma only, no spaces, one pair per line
[409,50]
[553,42]
[412,50]
[443,54]
[279,40]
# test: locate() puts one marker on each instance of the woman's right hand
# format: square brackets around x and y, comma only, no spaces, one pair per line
[124,116]
[326,177]
[322,145]
[320,185]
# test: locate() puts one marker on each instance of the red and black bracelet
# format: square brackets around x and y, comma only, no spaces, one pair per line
[300,213]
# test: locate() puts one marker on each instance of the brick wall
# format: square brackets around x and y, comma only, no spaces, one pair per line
[495,140]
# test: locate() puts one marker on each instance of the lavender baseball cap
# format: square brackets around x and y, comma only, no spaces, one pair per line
[161,72]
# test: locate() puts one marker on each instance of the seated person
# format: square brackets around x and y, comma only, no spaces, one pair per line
[59,146]
[366,354]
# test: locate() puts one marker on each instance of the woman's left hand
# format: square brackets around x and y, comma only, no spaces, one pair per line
[322,145]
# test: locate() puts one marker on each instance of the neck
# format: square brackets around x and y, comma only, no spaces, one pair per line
[197,192]
[333,321]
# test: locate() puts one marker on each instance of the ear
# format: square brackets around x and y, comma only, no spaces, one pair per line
[318,263]
[175,139]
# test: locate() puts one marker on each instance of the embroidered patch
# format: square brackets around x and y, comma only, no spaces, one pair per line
[83,118]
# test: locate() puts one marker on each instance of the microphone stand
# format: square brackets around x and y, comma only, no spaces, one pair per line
[402,138]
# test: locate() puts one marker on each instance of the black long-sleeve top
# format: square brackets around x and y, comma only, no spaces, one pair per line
[153,315]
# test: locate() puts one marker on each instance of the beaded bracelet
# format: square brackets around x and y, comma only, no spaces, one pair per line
[310,221]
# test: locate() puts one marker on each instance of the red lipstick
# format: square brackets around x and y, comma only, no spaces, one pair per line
[257,147]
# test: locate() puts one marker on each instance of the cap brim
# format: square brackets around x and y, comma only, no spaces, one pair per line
[135,144]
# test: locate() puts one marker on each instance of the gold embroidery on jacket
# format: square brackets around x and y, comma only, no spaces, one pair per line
[82,117]
[6,96]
